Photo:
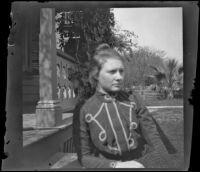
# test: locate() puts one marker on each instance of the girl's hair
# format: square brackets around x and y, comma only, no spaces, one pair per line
[102,53]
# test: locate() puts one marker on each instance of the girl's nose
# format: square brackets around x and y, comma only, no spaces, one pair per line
[119,76]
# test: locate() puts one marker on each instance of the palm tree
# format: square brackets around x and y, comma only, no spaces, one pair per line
[160,75]
[167,76]
[171,73]
[179,81]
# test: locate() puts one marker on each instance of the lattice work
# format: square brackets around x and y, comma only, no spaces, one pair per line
[65,88]
[68,146]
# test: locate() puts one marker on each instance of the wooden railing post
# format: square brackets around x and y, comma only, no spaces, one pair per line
[48,110]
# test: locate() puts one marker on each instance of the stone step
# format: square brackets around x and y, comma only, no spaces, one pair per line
[62,161]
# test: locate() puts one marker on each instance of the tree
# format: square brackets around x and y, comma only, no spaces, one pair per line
[124,40]
[179,81]
[168,76]
[171,75]
[180,69]
[140,60]
[81,30]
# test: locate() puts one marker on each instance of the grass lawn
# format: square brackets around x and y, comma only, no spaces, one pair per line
[166,102]
[171,121]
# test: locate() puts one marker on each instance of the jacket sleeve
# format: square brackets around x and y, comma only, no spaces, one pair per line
[151,135]
[86,149]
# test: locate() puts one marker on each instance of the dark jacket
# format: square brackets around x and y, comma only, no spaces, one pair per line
[119,128]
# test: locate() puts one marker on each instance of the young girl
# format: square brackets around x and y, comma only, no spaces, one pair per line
[112,129]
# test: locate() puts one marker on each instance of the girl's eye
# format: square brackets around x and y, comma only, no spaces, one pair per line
[112,71]
[121,71]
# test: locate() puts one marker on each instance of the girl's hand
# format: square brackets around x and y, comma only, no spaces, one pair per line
[129,164]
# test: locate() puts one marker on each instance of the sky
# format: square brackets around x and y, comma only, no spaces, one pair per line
[159,28]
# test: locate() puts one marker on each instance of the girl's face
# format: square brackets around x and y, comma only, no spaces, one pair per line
[111,76]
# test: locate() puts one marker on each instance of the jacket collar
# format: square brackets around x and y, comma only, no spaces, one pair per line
[106,97]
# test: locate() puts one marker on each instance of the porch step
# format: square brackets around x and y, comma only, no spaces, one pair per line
[62,161]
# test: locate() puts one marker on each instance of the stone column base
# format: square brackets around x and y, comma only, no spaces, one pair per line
[48,114]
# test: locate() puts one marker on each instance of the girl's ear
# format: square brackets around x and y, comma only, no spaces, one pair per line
[93,76]
[94,73]
[96,76]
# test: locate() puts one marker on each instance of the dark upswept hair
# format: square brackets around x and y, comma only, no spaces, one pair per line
[102,53]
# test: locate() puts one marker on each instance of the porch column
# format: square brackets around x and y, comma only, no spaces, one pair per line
[48,110]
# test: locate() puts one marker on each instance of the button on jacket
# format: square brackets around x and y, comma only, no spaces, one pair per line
[117,128]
